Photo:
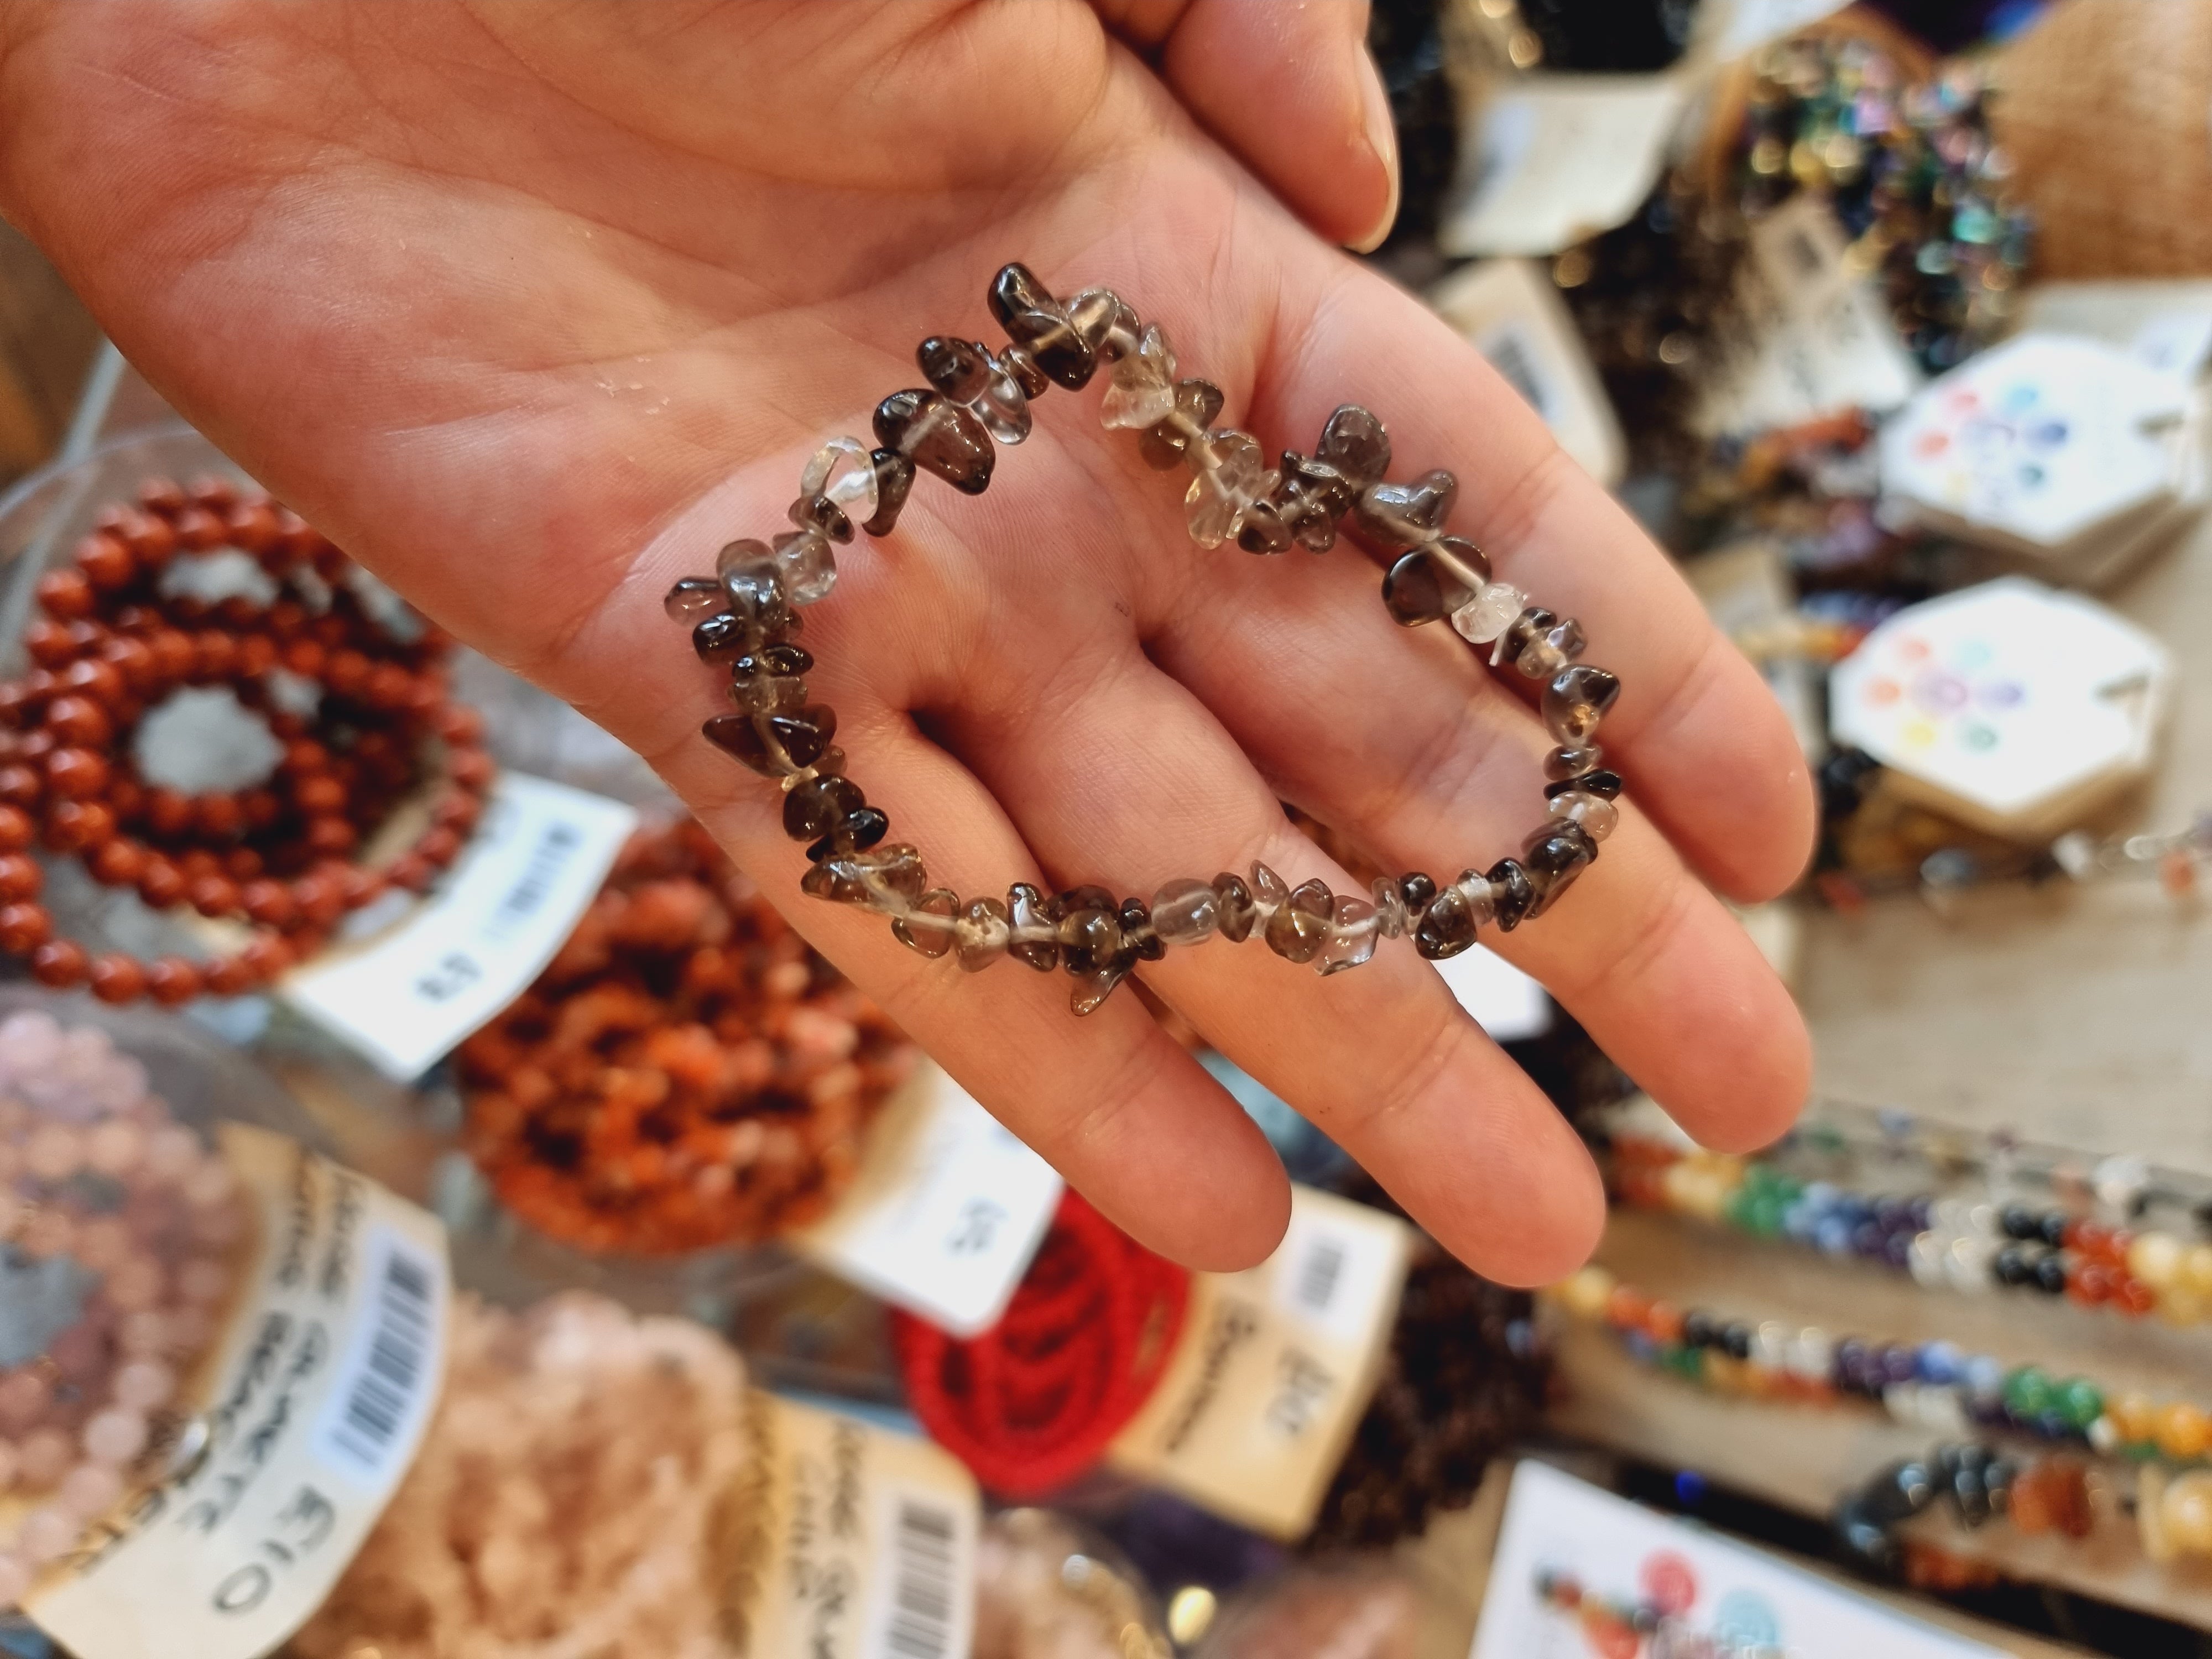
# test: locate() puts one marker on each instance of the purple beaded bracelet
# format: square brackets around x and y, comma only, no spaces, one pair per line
[745,616]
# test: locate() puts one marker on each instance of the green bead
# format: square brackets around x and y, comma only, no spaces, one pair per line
[1766,1214]
[1737,1206]
[1758,1178]
[2028,1391]
[2080,1403]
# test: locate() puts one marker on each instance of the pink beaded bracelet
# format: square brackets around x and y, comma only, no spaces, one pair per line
[745,616]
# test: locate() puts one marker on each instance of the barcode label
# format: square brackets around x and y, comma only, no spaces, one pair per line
[558,840]
[387,1375]
[1317,1275]
[923,1553]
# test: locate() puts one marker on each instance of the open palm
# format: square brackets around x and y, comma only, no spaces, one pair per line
[532,307]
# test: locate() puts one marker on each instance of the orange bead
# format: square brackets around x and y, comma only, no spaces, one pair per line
[2183,1431]
[172,980]
[61,963]
[118,978]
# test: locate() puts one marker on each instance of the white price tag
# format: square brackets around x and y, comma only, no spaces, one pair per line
[408,995]
[318,1394]
[1333,1274]
[947,1211]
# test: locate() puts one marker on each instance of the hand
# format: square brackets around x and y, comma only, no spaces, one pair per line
[533,307]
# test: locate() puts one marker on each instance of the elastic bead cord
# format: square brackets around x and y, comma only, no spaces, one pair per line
[1035,1401]
[113,642]
[745,617]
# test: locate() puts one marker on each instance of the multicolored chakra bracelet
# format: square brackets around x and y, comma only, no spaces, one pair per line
[746,614]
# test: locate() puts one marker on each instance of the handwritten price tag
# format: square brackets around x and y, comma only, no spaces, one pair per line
[945,1213]
[409,995]
[318,1394]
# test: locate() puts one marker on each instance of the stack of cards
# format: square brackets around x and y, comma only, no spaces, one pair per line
[2071,457]
[2009,707]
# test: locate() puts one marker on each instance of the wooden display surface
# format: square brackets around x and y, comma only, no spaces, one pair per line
[2076,1016]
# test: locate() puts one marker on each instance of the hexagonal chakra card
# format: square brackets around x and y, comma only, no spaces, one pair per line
[2011,707]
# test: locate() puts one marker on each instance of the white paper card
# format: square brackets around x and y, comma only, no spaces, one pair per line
[1720,1597]
[320,1393]
[407,995]
[2175,343]
[1333,1270]
[1504,1001]
[1555,158]
[946,1213]
[1733,28]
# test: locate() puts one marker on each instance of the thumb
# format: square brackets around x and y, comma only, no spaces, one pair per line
[1289,86]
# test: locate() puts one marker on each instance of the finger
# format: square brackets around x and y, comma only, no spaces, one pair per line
[1122,771]
[1706,749]
[1291,90]
[1433,767]
[1100,1097]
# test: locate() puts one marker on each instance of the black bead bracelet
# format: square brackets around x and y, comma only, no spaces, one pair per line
[746,614]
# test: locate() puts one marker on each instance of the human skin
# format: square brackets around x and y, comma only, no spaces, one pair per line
[533,306]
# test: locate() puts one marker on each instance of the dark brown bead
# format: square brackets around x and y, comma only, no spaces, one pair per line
[61,963]
[24,926]
[1514,893]
[1015,289]
[1605,784]
[1260,529]
[1092,989]
[1300,928]
[775,745]
[1557,854]
[894,480]
[1355,446]
[1039,324]
[1028,908]
[723,638]
[1033,380]
[1417,889]
[818,805]
[19,877]
[1576,700]
[1525,630]
[1137,932]
[929,941]
[118,978]
[1392,517]
[940,436]
[954,367]
[1418,589]
[820,513]
[1089,937]
[1448,926]
[1163,446]
[1567,764]
[172,980]
[861,830]
[1238,912]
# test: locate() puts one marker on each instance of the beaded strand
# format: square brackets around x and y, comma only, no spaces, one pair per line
[745,617]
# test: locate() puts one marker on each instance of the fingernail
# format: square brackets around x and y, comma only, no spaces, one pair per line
[1382,139]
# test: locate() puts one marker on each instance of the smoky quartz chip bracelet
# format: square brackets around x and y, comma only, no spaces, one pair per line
[746,614]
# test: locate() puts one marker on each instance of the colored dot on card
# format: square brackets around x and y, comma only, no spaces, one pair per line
[1969,655]
[1976,736]
[1931,443]
[1670,1583]
[1939,694]
[1918,734]
[2031,476]
[1883,692]
[1964,398]
[1745,1619]
[2019,397]
[2001,694]
[2049,434]
[1913,648]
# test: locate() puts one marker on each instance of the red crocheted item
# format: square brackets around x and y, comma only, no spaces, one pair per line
[1033,1401]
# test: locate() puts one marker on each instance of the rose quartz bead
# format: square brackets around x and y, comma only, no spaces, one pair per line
[141,1335]
[89,1490]
[204,1279]
[115,1435]
[55,1152]
[171,1150]
[103,1243]
[50,1232]
[136,1286]
[80,1351]
[114,1148]
[47,1531]
[43,1457]
[28,1042]
[209,1185]
[24,1397]
[144,1385]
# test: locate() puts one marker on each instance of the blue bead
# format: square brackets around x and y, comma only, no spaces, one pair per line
[1833,1236]
[1642,1348]
[1984,1375]
[1939,1363]
[1823,1194]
